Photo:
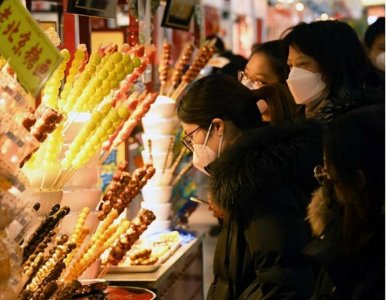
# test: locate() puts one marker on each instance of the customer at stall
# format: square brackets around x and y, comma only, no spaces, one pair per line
[224,61]
[374,41]
[260,178]
[327,62]
[347,213]
[267,64]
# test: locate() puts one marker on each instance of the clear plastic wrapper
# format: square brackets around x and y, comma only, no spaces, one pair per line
[15,141]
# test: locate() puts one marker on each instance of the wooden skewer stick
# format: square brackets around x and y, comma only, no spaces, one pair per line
[183,171]
[179,90]
[57,177]
[170,149]
[178,160]
[149,145]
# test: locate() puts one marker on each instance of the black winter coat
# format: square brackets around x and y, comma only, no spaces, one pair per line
[264,182]
[358,274]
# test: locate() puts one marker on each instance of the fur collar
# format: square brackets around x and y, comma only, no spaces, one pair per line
[318,213]
[264,159]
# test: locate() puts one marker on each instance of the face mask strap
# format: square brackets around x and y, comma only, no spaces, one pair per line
[220,146]
[207,135]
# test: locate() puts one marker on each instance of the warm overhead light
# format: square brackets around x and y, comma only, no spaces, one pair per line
[299,6]
[324,17]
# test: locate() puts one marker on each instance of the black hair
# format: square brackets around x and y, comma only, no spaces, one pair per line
[277,53]
[219,96]
[218,43]
[354,147]
[281,104]
[375,29]
[337,49]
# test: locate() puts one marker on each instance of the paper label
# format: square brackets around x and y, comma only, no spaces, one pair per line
[26,47]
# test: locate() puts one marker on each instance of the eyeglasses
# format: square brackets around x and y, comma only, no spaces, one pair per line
[249,82]
[321,174]
[187,141]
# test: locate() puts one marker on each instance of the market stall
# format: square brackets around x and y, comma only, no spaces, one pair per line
[58,228]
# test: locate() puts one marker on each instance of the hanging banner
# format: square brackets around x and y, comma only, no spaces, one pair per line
[26,47]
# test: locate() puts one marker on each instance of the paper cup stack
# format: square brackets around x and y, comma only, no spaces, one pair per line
[159,125]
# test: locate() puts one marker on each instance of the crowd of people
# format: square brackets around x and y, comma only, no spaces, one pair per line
[294,148]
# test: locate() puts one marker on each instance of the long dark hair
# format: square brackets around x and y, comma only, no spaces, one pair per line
[221,96]
[281,105]
[354,147]
[337,49]
[277,54]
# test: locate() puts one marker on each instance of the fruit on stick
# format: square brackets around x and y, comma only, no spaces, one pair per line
[81,82]
[103,227]
[182,61]
[60,252]
[132,106]
[103,241]
[106,128]
[77,65]
[53,147]
[137,227]
[32,270]
[52,86]
[98,248]
[141,109]
[79,224]
[79,241]
[67,290]
[49,290]
[141,253]
[163,68]
[114,69]
[39,249]
[48,223]
[201,59]
[122,192]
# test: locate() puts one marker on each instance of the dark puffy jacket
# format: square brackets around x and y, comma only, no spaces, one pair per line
[356,274]
[264,182]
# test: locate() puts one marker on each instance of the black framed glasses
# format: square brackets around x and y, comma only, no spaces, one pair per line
[187,140]
[321,174]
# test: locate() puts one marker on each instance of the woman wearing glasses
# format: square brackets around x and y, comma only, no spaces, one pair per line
[261,177]
[347,212]
[266,65]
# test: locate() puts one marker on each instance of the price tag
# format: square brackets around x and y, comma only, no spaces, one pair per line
[26,47]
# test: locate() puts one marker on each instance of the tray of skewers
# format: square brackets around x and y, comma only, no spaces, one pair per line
[149,253]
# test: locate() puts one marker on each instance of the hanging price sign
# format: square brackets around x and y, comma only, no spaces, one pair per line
[26,47]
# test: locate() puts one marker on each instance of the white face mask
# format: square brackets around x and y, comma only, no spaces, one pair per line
[203,155]
[380,61]
[304,85]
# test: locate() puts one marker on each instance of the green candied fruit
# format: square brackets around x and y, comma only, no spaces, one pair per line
[116,57]
[65,54]
[79,55]
[136,61]
[126,59]
[103,74]
[109,66]
[95,60]
[129,69]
